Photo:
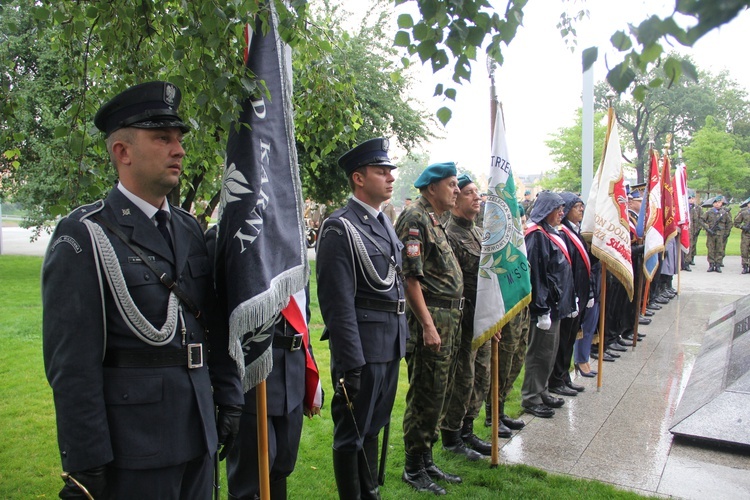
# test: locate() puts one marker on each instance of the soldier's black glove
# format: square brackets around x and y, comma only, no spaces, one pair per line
[94,480]
[227,426]
[351,383]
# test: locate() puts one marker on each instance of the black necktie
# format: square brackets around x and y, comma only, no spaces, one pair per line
[381,218]
[162,219]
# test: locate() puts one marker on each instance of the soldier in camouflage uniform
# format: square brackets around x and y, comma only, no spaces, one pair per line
[471,383]
[716,222]
[696,212]
[434,289]
[727,231]
[742,221]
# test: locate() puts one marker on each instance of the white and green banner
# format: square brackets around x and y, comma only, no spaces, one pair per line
[503,285]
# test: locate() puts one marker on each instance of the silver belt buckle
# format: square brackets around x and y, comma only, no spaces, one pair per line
[296,342]
[401,306]
[195,356]
[461,304]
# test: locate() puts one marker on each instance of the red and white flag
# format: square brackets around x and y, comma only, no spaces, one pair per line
[653,240]
[682,206]
[605,220]
[667,200]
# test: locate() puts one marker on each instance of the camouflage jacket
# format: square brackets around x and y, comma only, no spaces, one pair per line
[427,255]
[696,213]
[466,240]
[717,222]
[742,220]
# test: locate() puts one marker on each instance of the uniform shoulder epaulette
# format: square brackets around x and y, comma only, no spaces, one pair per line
[85,211]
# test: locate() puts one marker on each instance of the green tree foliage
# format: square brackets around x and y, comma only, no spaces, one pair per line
[362,94]
[408,171]
[449,31]
[678,111]
[714,163]
[566,149]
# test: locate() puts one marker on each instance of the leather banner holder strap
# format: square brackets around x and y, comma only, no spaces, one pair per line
[165,279]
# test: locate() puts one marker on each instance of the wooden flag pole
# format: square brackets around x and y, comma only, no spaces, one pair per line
[262,415]
[602,312]
[495,391]
[495,358]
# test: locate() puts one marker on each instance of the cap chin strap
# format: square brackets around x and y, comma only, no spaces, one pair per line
[150,115]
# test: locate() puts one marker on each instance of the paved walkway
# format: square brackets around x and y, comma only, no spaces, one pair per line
[620,434]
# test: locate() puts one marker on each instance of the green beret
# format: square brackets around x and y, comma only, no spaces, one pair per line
[434,173]
[464,180]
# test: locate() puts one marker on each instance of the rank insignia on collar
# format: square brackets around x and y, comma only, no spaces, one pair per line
[365,217]
[434,219]
[125,211]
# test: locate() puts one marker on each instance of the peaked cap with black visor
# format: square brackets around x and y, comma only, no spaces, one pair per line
[148,105]
[373,152]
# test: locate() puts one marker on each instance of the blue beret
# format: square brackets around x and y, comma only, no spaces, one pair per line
[372,152]
[691,193]
[148,105]
[434,173]
[464,180]
[528,191]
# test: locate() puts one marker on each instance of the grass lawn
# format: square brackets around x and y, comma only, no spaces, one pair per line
[29,461]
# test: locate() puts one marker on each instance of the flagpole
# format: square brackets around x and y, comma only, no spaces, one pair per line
[263,466]
[495,358]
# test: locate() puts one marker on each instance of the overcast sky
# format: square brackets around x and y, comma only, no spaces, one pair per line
[539,83]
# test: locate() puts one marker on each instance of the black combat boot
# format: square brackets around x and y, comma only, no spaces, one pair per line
[435,473]
[710,268]
[515,424]
[346,471]
[472,441]
[745,269]
[368,469]
[487,414]
[452,442]
[416,476]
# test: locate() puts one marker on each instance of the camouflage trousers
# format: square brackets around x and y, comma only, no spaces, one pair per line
[715,248]
[469,382]
[745,248]
[693,247]
[512,353]
[430,376]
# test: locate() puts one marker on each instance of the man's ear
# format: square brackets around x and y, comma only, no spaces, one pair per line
[121,152]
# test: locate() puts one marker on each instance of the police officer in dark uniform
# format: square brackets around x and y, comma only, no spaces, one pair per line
[136,375]
[362,301]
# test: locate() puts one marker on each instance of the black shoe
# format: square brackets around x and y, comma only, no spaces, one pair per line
[653,307]
[710,268]
[721,265]
[607,357]
[622,341]
[452,442]
[552,401]
[648,313]
[436,473]
[472,441]
[692,262]
[540,411]
[575,387]
[562,391]
[415,475]
[611,354]
[644,321]
[614,346]
[717,269]
[515,424]
[503,431]
[686,268]
[661,300]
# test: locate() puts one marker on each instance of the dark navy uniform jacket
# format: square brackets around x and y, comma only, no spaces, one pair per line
[358,335]
[136,418]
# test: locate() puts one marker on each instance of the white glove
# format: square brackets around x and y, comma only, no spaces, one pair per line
[574,314]
[544,322]
[590,303]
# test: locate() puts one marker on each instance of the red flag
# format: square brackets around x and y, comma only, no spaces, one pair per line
[293,314]
[682,206]
[667,199]
[653,221]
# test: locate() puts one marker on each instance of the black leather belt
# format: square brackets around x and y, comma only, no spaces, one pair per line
[392,306]
[445,303]
[191,356]
[288,342]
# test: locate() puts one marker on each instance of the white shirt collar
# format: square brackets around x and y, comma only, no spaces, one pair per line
[367,207]
[146,207]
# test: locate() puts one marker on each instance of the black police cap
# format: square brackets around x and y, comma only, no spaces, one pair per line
[148,105]
[372,152]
